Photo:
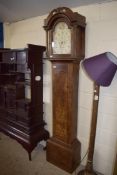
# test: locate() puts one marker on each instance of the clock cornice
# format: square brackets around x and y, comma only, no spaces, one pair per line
[73,18]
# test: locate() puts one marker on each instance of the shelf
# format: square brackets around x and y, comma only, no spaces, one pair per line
[1,62]
[9,63]
[24,100]
[23,83]
[26,72]
[10,86]
[7,74]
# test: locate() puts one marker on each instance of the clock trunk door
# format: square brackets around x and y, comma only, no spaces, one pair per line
[65,79]
[60,107]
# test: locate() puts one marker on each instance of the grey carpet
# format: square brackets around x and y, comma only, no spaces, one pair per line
[14,160]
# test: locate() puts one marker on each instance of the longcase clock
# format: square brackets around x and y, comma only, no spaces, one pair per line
[65,32]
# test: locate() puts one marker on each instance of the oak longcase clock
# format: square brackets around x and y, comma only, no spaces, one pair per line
[65,33]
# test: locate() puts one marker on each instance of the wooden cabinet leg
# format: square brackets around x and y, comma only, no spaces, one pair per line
[29,155]
[44,148]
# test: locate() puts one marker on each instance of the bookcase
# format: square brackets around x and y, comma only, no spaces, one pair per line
[21,95]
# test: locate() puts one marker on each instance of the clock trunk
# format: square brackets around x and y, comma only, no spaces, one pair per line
[63,149]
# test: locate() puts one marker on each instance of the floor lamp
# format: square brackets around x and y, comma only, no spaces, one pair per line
[101,69]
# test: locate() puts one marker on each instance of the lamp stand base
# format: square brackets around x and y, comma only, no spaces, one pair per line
[86,172]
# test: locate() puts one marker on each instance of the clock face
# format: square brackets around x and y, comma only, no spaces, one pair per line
[61,39]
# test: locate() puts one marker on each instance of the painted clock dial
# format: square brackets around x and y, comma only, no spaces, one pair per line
[61,39]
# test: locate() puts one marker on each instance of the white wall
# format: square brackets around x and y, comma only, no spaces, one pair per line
[101,36]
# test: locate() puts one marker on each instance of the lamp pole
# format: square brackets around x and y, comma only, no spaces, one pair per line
[89,166]
[101,69]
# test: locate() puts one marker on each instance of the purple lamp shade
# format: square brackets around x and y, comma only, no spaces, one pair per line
[101,68]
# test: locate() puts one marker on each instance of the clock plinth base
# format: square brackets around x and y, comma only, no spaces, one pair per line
[64,156]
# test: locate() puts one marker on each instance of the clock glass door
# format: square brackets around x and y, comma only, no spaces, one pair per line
[61,39]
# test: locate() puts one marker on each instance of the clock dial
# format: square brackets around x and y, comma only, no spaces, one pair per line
[61,39]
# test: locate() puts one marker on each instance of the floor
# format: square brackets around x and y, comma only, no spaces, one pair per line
[14,160]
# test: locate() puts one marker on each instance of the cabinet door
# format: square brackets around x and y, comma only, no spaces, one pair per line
[21,61]
[21,57]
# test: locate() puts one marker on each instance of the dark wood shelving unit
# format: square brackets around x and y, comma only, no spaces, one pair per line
[21,114]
